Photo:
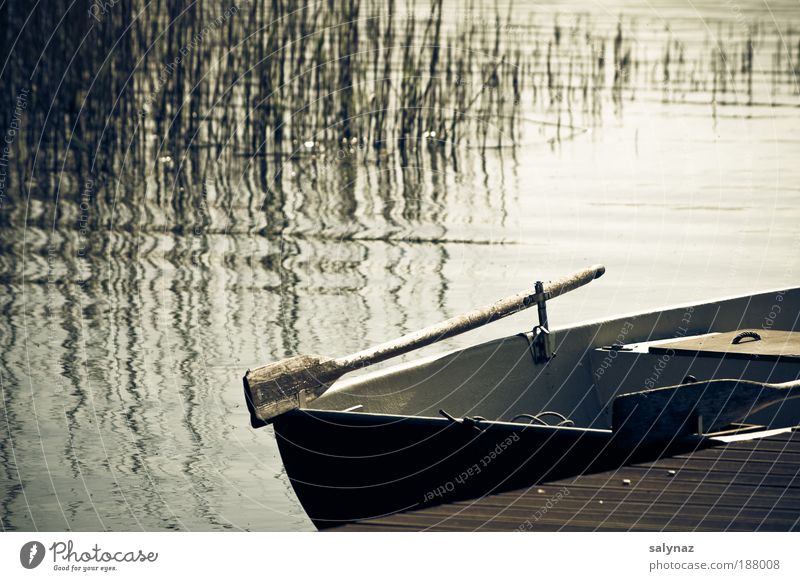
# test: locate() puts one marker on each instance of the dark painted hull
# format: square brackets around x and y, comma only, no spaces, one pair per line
[347,467]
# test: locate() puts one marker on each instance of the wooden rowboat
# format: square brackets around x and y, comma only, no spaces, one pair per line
[537,406]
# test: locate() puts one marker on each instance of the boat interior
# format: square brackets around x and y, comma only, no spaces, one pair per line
[753,337]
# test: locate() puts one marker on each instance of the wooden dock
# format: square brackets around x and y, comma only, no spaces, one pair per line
[742,485]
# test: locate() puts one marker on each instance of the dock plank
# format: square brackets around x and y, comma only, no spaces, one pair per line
[751,485]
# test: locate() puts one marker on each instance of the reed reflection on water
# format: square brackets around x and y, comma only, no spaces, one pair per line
[191,189]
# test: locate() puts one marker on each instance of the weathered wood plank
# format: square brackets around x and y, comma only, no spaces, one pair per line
[733,495]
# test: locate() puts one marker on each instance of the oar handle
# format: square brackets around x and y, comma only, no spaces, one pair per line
[471,320]
[791,386]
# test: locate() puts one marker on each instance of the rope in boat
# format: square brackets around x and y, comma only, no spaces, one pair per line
[534,418]
[537,418]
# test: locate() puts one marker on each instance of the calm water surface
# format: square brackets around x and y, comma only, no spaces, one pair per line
[146,265]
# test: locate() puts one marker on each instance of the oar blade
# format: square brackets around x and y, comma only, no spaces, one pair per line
[279,387]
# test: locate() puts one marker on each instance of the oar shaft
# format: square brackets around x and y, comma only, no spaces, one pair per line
[468,321]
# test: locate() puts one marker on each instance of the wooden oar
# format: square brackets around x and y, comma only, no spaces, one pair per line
[692,408]
[276,388]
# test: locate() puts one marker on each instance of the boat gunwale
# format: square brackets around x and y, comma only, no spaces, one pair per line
[349,382]
[402,417]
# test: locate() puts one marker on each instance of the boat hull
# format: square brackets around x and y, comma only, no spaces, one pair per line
[394,455]
[348,467]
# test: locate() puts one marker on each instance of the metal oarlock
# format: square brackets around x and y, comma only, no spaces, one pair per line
[541,341]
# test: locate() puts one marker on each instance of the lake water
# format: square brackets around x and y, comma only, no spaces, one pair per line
[148,261]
